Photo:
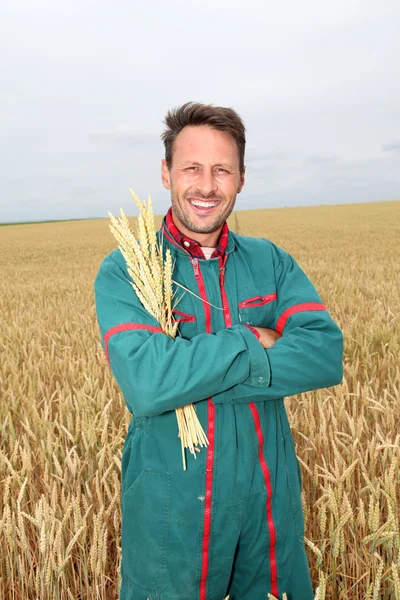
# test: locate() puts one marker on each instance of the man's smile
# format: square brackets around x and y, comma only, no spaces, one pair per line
[202,206]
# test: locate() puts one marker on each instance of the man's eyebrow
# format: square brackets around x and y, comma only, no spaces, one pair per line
[225,165]
[193,162]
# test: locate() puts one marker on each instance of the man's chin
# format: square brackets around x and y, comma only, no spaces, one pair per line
[198,224]
[196,229]
[206,228]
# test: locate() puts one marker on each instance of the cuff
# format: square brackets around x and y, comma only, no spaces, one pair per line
[260,374]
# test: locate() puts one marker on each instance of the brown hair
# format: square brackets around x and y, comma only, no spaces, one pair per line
[195,114]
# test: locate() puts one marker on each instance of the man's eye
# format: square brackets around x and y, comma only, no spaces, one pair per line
[191,168]
[221,170]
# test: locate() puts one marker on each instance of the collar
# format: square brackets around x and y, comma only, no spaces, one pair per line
[193,247]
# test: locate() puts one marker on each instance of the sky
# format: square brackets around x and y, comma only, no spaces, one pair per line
[85,85]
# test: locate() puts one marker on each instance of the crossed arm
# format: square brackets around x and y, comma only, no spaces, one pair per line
[157,374]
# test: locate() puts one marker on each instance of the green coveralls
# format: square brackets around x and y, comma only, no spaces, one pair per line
[233,521]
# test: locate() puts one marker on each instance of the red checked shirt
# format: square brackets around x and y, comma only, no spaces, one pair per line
[192,246]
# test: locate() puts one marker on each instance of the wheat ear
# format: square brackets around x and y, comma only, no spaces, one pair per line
[151,271]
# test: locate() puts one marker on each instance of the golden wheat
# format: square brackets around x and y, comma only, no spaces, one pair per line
[150,268]
[63,420]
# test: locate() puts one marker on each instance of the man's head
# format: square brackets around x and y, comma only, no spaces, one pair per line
[203,166]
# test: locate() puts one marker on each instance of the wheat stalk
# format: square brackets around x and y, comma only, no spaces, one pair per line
[151,273]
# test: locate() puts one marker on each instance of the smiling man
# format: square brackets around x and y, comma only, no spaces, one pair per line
[253,331]
[204,178]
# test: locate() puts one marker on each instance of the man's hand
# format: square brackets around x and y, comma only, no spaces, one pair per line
[267,337]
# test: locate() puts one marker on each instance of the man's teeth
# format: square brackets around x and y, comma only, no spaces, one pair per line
[204,204]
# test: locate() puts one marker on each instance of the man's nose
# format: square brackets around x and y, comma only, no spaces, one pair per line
[207,182]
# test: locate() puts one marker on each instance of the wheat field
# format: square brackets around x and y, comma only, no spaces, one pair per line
[63,420]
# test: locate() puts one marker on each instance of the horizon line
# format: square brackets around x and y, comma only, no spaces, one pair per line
[2,223]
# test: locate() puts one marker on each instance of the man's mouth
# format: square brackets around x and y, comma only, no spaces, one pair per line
[203,205]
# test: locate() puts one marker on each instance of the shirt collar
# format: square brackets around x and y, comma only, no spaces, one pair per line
[192,246]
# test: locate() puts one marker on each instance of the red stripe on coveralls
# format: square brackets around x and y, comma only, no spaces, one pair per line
[127,327]
[295,309]
[263,463]
[205,550]
[267,480]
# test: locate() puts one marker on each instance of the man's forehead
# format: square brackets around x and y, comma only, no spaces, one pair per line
[204,143]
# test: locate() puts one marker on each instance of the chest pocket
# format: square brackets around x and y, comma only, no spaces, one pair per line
[184,313]
[257,305]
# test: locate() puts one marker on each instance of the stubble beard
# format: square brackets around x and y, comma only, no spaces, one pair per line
[206,228]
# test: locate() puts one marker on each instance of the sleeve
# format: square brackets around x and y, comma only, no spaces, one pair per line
[156,373]
[309,354]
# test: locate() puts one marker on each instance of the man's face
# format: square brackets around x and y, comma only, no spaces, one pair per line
[204,179]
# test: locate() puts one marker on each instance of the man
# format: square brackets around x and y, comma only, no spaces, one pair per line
[255,331]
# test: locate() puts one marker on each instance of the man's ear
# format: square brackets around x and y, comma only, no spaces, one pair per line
[241,182]
[165,178]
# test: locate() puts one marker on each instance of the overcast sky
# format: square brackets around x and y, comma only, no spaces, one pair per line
[84,87]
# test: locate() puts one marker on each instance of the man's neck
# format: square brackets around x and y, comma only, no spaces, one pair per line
[204,239]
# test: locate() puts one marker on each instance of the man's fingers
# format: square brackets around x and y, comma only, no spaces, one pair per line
[267,337]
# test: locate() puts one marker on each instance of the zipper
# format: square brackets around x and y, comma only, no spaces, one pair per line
[196,267]
[258,301]
[222,275]
[224,297]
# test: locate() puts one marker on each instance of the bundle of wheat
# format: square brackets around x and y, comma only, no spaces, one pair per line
[151,271]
